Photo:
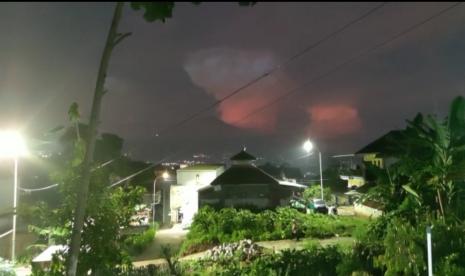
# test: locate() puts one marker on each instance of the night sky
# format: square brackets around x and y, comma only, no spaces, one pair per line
[164,72]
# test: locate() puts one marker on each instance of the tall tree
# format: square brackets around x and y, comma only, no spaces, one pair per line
[152,11]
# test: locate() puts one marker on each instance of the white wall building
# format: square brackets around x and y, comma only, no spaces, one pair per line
[184,195]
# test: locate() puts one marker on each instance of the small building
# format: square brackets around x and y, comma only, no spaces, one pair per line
[378,152]
[44,259]
[353,181]
[183,194]
[243,185]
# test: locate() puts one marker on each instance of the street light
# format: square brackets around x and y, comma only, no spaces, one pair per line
[165,175]
[308,147]
[12,145]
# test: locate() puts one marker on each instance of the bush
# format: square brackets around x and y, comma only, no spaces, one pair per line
[6,268]
[137,243]
[314,191]
[212,227]
[313,261]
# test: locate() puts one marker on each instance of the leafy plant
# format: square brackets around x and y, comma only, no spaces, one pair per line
[314,191]
[212,227]
[137,243]
[6,268]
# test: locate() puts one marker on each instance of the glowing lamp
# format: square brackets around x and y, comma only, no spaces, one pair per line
[308,146]
[12,144]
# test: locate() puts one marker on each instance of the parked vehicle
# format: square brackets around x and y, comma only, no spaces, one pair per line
[298,204]
[318,205]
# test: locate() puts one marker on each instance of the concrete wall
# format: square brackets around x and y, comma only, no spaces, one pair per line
[362,210]
[200,178]
[242,195]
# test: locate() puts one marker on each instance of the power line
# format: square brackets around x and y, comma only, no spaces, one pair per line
[100,166]
[276,68]
[347,62]
[132,175]
[6,233]
[141,171]
[28,190]
[37,189]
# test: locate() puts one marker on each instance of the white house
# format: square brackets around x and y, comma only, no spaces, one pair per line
[184,194]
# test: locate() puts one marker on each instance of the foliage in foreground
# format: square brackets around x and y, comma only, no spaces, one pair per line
[6,268]
[425,186]
[136,244]
[212,227]
[313,261]
[105,242]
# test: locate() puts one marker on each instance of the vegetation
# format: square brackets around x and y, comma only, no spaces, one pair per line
[105,240]
[424,187]
[6,268]
[137,243]
[152,11]
[314,191]
[319,260]
[212,227]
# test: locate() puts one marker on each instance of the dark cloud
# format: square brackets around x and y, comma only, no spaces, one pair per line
[220,71]
[50,52]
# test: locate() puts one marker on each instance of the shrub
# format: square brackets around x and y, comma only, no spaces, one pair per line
[6,268]
[212,227]
[312,261]
[137,243]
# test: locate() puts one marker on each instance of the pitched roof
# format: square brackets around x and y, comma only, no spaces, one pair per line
[383,143]
[243,156]
[238,174]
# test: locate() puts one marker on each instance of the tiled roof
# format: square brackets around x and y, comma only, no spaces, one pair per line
[383,144]
[244,174]
[243,156]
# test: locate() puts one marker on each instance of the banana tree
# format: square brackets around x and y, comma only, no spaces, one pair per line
[432,162]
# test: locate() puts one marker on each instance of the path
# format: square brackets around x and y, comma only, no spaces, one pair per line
[164,237]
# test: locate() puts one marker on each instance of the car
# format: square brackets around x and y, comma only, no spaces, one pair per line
[298,204]
[319,206]
[318,203]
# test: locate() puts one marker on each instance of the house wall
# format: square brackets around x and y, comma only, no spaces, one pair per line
[377,161]
[241,195]
[184,196]
[200,178]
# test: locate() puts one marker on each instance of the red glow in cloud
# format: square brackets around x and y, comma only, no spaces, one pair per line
[233,112]
[220,71]
[330,121]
